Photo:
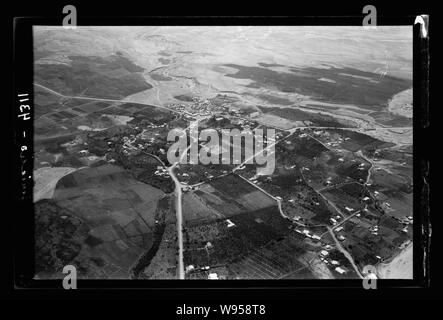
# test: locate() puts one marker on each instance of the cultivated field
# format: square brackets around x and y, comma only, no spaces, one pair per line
[121,213]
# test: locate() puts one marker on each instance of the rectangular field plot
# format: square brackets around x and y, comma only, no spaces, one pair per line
[230,240]
[221,196]
[89,107]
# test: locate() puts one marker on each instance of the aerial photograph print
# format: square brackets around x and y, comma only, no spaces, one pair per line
[223,152]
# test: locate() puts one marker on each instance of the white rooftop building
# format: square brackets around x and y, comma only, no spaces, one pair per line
[189,268]
[340,270]
[230,223]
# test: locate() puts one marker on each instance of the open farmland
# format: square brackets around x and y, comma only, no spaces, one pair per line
[220,200]
[348,198]
[232,189]
[282,259]
[122,214]
[92,76]
[228,242]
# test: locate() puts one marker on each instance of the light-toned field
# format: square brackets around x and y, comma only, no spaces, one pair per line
[320,270]
[256,200]
[401,104]
[275,121]
[401,267]
[46,179]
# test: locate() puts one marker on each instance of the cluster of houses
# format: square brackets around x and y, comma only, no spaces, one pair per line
[204,108]
[129,142]
[211,275]
[162,172]
[199,108]
[179,107]
[406,221]
[187,188]
[184,110]
[333,263]
[254,180]
[308,234]
[334,220]
[332,144]
[340,237]
[335,143]
[128,148]
[374,230]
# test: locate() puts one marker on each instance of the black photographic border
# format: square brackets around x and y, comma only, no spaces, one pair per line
[23,236]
